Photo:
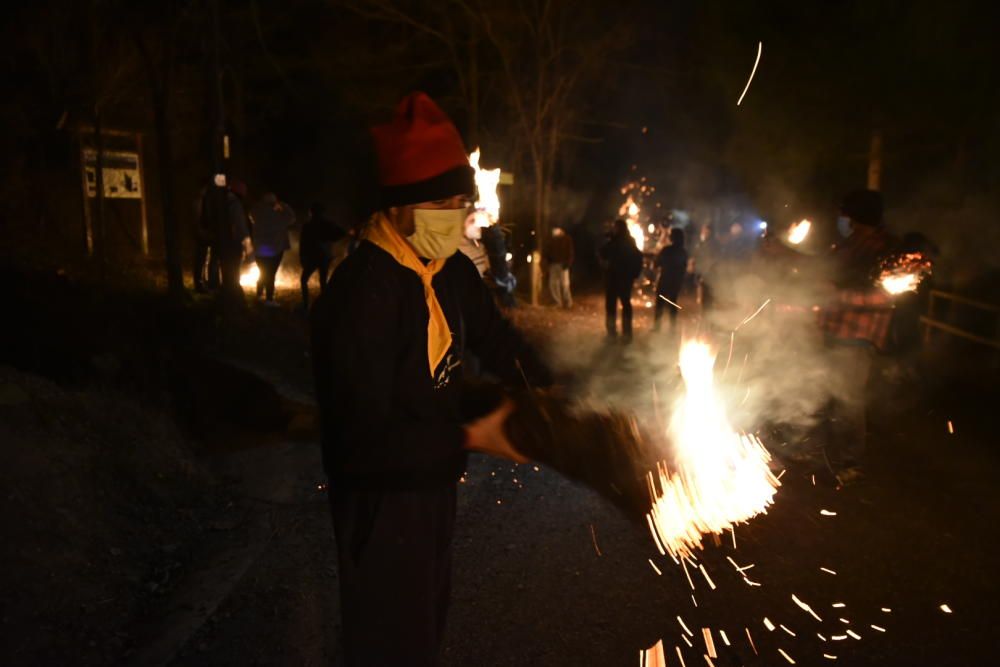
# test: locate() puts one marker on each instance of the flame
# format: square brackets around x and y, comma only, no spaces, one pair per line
[720,478]
[898,284]
[287,278]
[798,232]
[904,273]
[488,204]
[250,276]
[630,211]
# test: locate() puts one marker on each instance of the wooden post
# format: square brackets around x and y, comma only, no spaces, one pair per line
[142,194]
[875,161]
[88,225]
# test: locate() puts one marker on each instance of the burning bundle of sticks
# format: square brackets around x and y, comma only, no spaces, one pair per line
[904,272]
[604,450]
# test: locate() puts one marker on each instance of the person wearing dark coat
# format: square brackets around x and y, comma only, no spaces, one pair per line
[623,261]
[672,264]
[389,338]
[271,221]
[319,234]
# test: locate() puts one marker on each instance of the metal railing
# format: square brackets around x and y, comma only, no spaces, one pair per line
[931,323]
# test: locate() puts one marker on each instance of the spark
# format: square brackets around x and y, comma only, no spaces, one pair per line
[751,641]
[683,625]
[806,608]
[821,636]
[656,538]
[725,639]
[655,569]
[814,480]
[709,661]
[706,634]
[887,610]
[827,570]
[945,608]
[838,605]
[844,621]
[679,655]
[670,302]
[875,627]
[838,638]
[687,641]
[750,583]
[852,633]
[827,513]
[768,624]
[755,314]
[951,429]
[693,601]
[593,536]
[732,531]
[760,47]
[786,656]
[782,626]
[704,572]
[780,474]
[686,574]
[829,657]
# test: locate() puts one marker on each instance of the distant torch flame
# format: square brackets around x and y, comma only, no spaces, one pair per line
[630,211]
[719,478]
[798,232]
[904,273]
[488,204]
[250,276]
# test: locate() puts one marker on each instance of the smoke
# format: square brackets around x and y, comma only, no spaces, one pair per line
[774,371]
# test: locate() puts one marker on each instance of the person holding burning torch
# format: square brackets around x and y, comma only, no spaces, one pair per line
[389,336]
[855,323]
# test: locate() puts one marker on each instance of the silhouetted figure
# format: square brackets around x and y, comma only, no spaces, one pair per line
[319,234]
[271,220]
[672,264]
[558,257]
[624,264]
[855,324]
[205,270]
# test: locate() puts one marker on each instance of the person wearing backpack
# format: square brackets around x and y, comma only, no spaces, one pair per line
[623,262]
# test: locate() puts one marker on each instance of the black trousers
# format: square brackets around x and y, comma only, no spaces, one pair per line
[394,558]
[616,291]
[309,268]
[268,273]
[661,305]
[204,254]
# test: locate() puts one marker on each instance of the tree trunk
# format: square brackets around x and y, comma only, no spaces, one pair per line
[164,151]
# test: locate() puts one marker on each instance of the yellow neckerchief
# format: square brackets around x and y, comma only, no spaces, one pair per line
[381,232]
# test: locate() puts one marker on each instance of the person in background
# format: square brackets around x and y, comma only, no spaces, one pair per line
[389,340]
[705,255]
[623,262]
[672,263]
[233,240]
[319,233]
[206,258]
[271,220]
[559,259]
[855,323]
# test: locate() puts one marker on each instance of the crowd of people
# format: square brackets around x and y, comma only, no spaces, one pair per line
[413,309]
[230,235]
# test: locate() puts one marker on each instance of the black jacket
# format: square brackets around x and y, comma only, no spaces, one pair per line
[672,263]
[623,258]
[386,422]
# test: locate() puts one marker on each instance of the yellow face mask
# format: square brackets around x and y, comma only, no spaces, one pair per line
[438,231]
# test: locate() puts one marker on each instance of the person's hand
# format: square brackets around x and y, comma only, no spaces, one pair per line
[486,434]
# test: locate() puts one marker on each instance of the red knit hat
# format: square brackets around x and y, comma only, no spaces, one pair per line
[420,155]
